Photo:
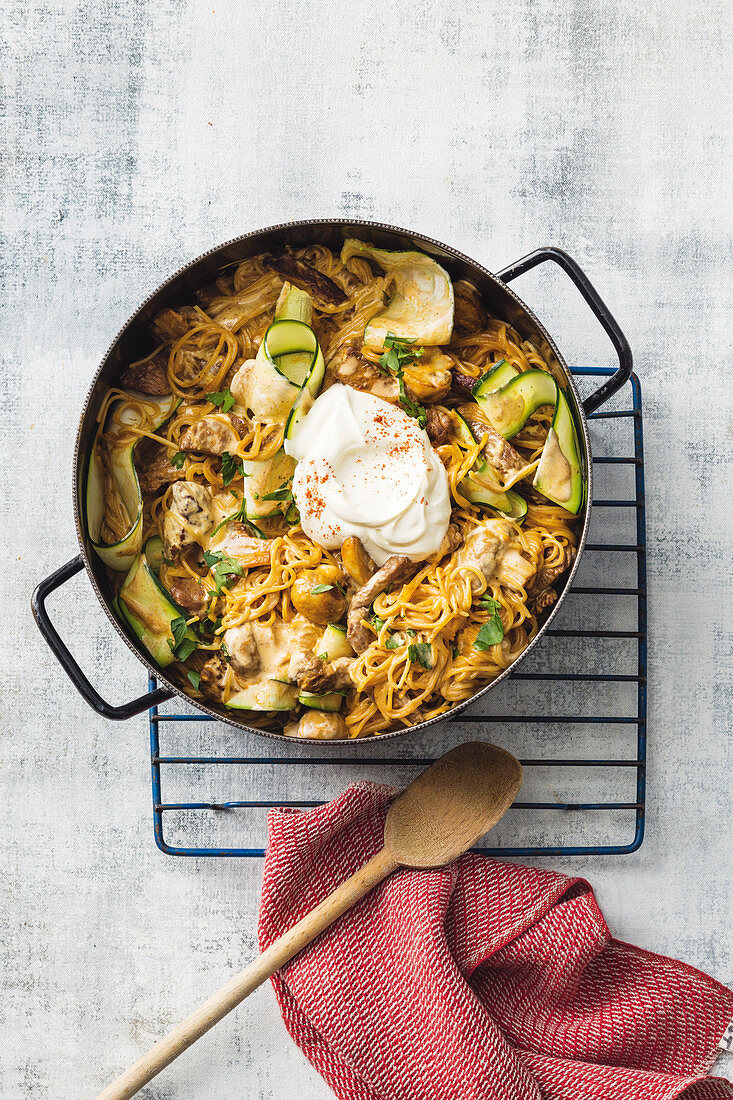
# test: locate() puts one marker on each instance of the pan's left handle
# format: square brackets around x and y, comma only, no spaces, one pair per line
[67,662]
[598,307]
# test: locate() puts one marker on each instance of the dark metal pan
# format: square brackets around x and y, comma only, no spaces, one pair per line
[134,341]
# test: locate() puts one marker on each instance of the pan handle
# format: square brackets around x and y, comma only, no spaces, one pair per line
[597,305]
[67,662]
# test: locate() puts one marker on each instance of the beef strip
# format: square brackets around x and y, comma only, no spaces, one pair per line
[153,466]
[150,377]
[396,570]
[439,425]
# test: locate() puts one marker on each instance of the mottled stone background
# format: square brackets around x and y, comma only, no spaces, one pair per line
[134,136]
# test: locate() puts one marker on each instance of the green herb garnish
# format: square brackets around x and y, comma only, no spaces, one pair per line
[491,633]
[178,460]
[195,678]
[292,515]
[318,588]
[422,652]
[231,467]
[223,569]
[181,646]
[280,494]
[224,399]
[398,354]
[240,516]
[394,641]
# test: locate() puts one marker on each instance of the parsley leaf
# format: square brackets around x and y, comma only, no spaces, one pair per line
[231,467]
[400,353]
[377,623]
[292,515]
[280,494]
[490,633]
[223,568]
[422,652]
[195,678]
[394,641]
[240,516]
[178,460]
[224,399]
[318,588]
[181,646]
[489,604]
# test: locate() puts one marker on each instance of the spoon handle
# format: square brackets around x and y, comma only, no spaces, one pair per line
[264,966]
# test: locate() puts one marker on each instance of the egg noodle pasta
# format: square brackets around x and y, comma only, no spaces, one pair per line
[434,639]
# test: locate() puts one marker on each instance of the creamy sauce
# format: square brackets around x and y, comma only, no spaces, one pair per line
[555,471]
[367,469]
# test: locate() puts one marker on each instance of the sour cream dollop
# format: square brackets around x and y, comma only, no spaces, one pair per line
[366,468]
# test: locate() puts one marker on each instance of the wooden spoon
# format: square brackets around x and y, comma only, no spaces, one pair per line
[432,822]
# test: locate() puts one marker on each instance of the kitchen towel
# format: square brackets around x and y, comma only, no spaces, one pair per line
[484,980]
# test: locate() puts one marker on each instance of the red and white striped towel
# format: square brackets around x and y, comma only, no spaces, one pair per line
[481,981]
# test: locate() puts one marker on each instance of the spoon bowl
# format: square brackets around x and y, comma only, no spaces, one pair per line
[447,808]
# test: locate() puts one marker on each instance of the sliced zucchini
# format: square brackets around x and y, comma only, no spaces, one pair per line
[330,702]
[509,408]
[155,552]
[559,477]
[263,478]
[150,415]
[287,372]
[422,304]
[462,431]
[294,304]
[149,610]
[267,695]
[510,504]
[333,643]
[495,377]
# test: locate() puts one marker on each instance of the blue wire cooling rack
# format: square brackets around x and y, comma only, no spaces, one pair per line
[581,736]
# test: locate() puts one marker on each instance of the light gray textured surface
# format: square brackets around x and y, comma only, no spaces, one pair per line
[135,135]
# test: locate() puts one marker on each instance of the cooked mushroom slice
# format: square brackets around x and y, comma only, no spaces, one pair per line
[317,726]
[242,649]
[544,601]
[429,378]
[153,466]
[323,291]
[356,561]
[211,435]
[396,570]
[318,594]
[439,425]
[190,517]
[500,453]
[347,365]
[150,376]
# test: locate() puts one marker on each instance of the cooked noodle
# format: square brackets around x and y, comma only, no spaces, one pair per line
[205,345]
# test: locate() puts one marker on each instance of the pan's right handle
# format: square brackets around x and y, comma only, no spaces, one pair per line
[599,308]
[67,662]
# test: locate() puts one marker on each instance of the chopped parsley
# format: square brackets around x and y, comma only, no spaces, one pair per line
[292,515]
[422,652]
[394,641]
[181,646]
[195,678]
[231,467]
[399,353]
[178,460]
[223,569]
[224,399]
